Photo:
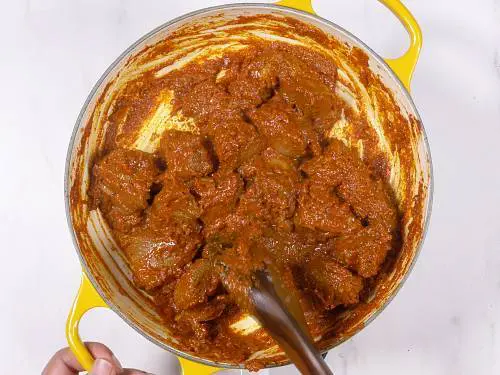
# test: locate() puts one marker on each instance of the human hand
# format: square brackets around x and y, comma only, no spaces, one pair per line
[65,363]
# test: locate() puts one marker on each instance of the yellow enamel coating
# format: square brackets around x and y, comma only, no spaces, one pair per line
[86,299]
[403,66]
[304,5]
[193,368]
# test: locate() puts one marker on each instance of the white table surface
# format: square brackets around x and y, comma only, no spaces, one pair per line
[446,319]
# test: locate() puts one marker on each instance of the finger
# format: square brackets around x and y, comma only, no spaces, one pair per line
[103,367]
[99,350]
[65,363]
[62,363]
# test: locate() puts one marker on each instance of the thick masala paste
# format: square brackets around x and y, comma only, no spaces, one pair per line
[260,172]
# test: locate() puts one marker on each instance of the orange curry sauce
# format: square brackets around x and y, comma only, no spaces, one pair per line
[261,172]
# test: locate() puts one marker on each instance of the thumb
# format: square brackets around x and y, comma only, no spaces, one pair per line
[103,367]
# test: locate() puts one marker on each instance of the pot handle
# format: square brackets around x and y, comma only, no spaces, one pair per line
[404,65]
[304,5]
[86,299]
[190,368]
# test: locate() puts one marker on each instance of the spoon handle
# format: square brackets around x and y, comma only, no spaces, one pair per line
[282,326]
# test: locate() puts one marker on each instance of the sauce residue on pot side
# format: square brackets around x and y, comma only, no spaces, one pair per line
[260,172]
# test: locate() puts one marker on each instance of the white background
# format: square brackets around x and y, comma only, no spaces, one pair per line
[446,320]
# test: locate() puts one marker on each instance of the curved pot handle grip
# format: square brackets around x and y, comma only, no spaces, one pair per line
[403,66]
[86,299]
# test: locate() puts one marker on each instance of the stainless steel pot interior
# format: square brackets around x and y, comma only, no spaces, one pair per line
[99,254]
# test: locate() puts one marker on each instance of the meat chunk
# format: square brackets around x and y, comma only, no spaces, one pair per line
[221,189]
[252,81]
[341,169]
[168,239]
[198,283]
[331,283]
[306,90]
[290,248]
[197,318]
[281,128]
[251,91]
[209,311]
[218,196]
[186,154]
[235,267]
[257,78]
[208,100]
[364,251]
[174,207]
[320,209]
[183,82]
[268,199]
[272,186]
[121,186]
[272,71]
[156,256]
[234,141]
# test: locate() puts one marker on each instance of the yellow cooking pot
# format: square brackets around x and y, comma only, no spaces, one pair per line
[106,278]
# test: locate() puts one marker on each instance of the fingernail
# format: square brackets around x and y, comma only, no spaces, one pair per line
[117,364]
[103,367]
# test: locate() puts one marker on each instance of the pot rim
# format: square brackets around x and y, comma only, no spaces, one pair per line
[183,17]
